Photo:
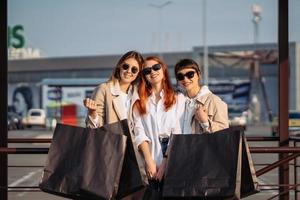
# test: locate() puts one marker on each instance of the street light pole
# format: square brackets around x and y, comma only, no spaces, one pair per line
[255,97]
[256,10]
[205,48]
[159,8]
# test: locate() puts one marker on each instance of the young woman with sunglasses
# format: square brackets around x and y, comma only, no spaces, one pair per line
[112,101]
[156,116]
[204,111]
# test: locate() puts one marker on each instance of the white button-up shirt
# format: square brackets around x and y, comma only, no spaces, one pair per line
[191,105]
[158,122]
[126,102]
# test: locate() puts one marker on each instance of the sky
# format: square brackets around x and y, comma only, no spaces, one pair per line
[66,28]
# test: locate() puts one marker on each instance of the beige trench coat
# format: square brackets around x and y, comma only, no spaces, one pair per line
[217,114]
[109,105]
[110,109]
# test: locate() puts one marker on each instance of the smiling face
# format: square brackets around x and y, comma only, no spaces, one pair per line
[153,72]
[188,78]
[129,71]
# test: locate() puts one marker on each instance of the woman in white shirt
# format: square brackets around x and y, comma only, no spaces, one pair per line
[156,115]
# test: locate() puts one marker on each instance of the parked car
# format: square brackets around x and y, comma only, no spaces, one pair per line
[35,117]
[237,117]
[10,124]
[294,123]
[14,121]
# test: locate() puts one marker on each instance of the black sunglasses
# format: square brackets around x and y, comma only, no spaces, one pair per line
[147,70]
[134,69]
[189,75]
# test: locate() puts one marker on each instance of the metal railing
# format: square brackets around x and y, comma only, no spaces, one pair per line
[294,153]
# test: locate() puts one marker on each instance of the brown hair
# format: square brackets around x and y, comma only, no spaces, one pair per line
[187,63]
[130,54]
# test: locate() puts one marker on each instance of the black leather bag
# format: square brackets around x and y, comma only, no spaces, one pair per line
[210,166]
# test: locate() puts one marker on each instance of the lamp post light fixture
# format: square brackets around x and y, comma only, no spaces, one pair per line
[159,8]
[256,10]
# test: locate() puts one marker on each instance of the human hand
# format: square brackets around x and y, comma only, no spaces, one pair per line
[201,114]
[161,170]
[90,104]
[151,168]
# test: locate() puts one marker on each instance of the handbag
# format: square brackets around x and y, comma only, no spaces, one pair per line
[210,166]
[84,163]
[133,175]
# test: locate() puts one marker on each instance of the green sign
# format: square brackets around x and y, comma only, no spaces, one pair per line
[15,37]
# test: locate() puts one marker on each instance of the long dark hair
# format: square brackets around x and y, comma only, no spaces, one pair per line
[26,93]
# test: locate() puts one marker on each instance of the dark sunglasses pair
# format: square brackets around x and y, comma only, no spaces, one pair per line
[189,75]
[147,70]
[134,69]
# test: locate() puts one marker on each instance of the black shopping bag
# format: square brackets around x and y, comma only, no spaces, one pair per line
[210,166]
[84,163]
[103,163]
[249,182]
[61,172]
[133,176]
[153,191]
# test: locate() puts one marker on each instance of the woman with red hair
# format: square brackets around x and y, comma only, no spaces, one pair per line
[156,116]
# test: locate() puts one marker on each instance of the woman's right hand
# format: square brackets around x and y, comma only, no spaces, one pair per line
[151,168]
[90,104]
[161,170]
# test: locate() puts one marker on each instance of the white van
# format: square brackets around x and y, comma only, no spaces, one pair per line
[35,117]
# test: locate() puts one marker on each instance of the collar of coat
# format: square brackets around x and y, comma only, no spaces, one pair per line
[116,90]
[202,95]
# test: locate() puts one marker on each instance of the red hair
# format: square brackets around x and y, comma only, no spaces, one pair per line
[145,89]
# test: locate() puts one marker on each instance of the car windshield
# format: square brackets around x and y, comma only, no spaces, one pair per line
[35,114]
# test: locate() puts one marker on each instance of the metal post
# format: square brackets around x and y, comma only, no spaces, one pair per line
[3,104]
[255,95]
[205,48]
[283,44]
[295,175]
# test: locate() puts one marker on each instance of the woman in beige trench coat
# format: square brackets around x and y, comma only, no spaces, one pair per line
[204,111]
[113,100]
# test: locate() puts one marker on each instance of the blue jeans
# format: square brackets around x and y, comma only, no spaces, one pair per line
[164,141]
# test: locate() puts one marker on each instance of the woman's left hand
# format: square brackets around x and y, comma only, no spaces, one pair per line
[201,114]
[161,170]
